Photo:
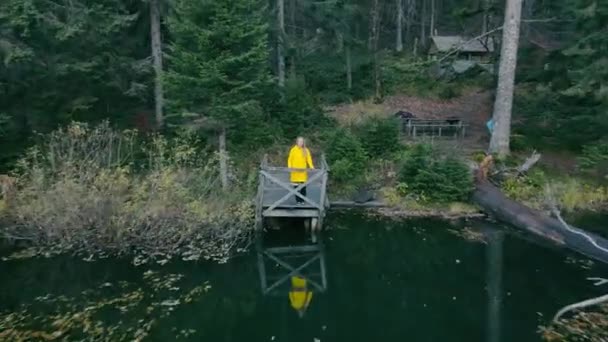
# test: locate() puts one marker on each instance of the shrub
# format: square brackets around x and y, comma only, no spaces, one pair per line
[80,191]
[300,111]
[595,157]
[572,194]
[346,156]
[434,176]
[447,91]
[379,136]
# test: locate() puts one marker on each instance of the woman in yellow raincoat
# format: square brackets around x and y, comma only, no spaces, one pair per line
[299,158]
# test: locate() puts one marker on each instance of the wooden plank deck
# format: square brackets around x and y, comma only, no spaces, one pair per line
[271,195]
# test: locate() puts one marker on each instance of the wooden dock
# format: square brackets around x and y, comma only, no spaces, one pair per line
[276,195]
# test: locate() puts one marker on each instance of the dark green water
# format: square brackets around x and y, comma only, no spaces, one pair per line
[386,281]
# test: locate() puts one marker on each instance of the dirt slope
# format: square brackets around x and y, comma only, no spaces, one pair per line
[474,107]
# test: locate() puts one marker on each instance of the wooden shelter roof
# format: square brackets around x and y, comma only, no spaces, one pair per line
[463,44]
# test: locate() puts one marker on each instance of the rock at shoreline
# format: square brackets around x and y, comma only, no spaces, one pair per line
[364,196]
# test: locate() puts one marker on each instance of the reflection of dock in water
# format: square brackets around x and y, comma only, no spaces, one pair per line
[278,265]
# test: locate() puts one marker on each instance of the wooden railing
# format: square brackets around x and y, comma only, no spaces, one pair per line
[276,191]
[413,128]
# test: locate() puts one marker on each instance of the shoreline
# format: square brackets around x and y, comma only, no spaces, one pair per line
[450,211]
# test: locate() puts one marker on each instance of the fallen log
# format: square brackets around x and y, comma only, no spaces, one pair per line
[493,201]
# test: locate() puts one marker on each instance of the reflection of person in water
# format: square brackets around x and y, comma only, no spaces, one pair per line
[299,295]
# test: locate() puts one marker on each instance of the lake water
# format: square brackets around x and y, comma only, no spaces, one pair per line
[418,280]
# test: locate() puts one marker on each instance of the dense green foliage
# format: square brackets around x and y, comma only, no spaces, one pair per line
[434,176]
[69,60]
[346,156]
[564,103]
[595,157]
[88,60]
[83,190]
[380,136]
[218,65]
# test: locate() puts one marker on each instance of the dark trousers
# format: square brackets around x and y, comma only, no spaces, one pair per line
[302,192]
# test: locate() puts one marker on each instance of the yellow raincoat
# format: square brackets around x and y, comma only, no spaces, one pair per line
[299,296]
[299,158]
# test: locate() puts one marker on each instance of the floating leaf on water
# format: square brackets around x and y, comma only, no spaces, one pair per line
[90,258]
[162,262]
[192,257]
[139,260]
[170,302]
[148,273]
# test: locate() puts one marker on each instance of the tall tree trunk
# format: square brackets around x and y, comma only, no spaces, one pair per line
[375,37]
[506,79]
[528,12]
[399,26]
[432,25]
[411,10]
[223,159]
[423,24]
[294,36]
[157,60]
[281,42]
[487,16]
[349,68]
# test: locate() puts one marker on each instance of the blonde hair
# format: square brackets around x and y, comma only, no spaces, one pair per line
[304,148]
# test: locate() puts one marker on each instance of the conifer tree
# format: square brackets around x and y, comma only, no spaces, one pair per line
[218,62]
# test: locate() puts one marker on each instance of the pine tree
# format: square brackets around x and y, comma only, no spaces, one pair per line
[218,63]
[68,59]
[65,60]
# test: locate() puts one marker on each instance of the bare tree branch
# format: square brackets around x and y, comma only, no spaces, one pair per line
[580,305]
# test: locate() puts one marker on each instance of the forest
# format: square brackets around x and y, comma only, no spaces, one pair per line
[130,88]
[185,97]
[258,67]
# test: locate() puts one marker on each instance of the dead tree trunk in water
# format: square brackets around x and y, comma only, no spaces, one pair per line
[493,201]
[399,26]
[281,42]
[157,61]
[506,79]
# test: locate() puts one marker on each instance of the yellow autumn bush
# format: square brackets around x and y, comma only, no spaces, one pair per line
[95,189]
